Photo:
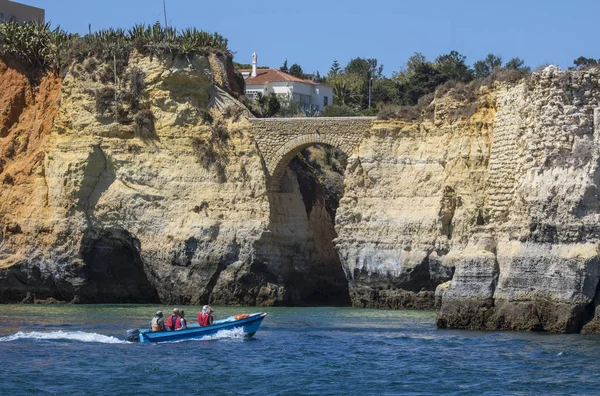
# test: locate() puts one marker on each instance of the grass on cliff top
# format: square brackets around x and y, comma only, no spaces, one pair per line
[41,46]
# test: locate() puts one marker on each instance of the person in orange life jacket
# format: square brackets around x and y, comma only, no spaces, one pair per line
[180,323]
[158,322]
[172,320]
[205,317]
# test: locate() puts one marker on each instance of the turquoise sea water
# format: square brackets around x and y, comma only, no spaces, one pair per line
[76,349]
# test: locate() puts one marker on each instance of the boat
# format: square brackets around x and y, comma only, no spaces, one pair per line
[248,322]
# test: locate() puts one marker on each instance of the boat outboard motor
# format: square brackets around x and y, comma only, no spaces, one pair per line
[133,335]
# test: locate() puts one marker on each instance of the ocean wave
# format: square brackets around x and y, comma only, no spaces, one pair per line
[81,336]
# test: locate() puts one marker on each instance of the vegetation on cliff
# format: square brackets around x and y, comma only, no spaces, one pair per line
[43,47]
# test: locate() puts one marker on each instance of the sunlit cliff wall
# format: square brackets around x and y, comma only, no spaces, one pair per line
[487,205]
[502,205]
[167,202]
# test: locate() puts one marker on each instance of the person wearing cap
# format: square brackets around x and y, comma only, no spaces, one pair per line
[172,320]
[205,317]
[158,322]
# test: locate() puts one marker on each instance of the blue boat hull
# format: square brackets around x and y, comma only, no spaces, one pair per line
[194,331]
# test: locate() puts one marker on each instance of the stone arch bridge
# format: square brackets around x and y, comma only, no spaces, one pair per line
[280,139]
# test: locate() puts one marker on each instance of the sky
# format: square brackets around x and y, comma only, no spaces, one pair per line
[314,33]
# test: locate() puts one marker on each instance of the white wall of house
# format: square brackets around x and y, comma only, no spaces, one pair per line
[306,94]
[320,93]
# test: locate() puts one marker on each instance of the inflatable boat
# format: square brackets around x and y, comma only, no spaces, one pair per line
[249,323]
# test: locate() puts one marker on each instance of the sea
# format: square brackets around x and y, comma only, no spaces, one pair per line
[81,350]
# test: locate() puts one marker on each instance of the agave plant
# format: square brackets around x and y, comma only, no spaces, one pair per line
[37,44]
[57,47]
[31,42]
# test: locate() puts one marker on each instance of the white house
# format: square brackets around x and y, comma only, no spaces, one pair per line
[309,94]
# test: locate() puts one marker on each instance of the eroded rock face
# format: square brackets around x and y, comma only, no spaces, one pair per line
[505,204]
[168,204]
[413,193]
[542,199]
[491,217]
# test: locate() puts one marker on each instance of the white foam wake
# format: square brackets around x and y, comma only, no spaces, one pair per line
[235,333]
[63,335]
[231,334]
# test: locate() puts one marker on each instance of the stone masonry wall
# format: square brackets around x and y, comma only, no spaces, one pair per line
[280,139]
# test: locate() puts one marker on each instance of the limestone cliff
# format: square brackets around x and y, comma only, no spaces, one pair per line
[149,190]
[153,188]
[414,191]
[535,265]
[498,209]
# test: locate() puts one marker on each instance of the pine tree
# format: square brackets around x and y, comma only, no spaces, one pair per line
[296,71]
[284,67]
[335,68]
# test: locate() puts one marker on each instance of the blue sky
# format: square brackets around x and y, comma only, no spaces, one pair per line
[314,33]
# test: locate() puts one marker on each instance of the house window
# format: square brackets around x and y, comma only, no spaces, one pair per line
[1,17]
[325,101]
[253,94]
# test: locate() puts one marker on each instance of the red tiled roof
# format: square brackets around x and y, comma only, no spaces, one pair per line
[264,76]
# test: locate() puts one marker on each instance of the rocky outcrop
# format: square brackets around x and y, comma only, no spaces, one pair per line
[166,200]
[498,211]
[413,193]
[543,204]
[156,190]
[504,205]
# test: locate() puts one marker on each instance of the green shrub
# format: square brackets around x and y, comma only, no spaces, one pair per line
[34,43]
[211,152]
[136,88]
[8,179]
[207,117]
[251,105]
[369,112]
[9,151]
[290,109]
[338,111]
[105,101]
[144,124]
[270,105]
[220,134]
[422,110]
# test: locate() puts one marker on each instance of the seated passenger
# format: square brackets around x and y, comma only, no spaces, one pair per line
[205,317]
[158,322]
[180,323]
[172,320]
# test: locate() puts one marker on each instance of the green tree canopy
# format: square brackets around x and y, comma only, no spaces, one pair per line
[453,67]
[582,62]
[366,68]
[335,69]
[296,71]
[423,79]
[384,91]
[485,67]
[347,90]
[516,64]
[284,67]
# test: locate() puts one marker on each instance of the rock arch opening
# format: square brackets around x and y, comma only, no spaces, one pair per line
[301,145]
[297,256]
[300,244]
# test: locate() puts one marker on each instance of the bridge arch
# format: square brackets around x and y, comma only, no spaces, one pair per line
[280,139]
